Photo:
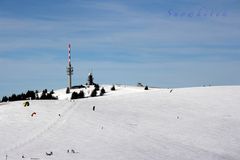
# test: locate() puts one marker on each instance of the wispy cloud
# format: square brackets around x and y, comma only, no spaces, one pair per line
[118,33]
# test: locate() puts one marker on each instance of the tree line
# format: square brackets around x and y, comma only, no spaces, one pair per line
[31,95]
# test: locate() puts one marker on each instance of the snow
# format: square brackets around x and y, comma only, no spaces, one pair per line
[129,123]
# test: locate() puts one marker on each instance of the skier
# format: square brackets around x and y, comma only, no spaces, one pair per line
[93,108]
[49,154]
[73,151]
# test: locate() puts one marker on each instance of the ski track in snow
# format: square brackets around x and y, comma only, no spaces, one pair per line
[143,128]
[50,126]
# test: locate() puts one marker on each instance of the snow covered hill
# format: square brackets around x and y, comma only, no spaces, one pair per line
[201,123]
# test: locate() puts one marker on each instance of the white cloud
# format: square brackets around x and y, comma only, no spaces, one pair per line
[115,28]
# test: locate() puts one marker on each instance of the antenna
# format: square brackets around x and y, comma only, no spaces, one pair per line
[69,68]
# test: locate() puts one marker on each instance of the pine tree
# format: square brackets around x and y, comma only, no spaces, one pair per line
[45,91]
[94,93]
[52,92]
[67,90]
[113,88]
[81,94]
[102,92]
[74,95]
[5,99]
[44,95]
[23,96]
[13,97]
[96,86]
[30,94]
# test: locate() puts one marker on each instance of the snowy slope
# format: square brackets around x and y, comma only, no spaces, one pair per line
[129,123]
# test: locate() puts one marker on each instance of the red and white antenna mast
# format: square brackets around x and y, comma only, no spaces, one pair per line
[69,68]
[69,54]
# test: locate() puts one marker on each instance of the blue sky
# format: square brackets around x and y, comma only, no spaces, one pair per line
[175,43]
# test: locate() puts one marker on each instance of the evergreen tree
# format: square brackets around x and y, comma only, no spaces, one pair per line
[13,97]
[113,88]
[19,97]
[44,94]
[5,99]
[52,92]
[30,94]
[96,86]
[45,91]
[102,92]
[146,88]
[23,96]
[48,96]
[81,94]
[74,95]
[67,90]
[94,93]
